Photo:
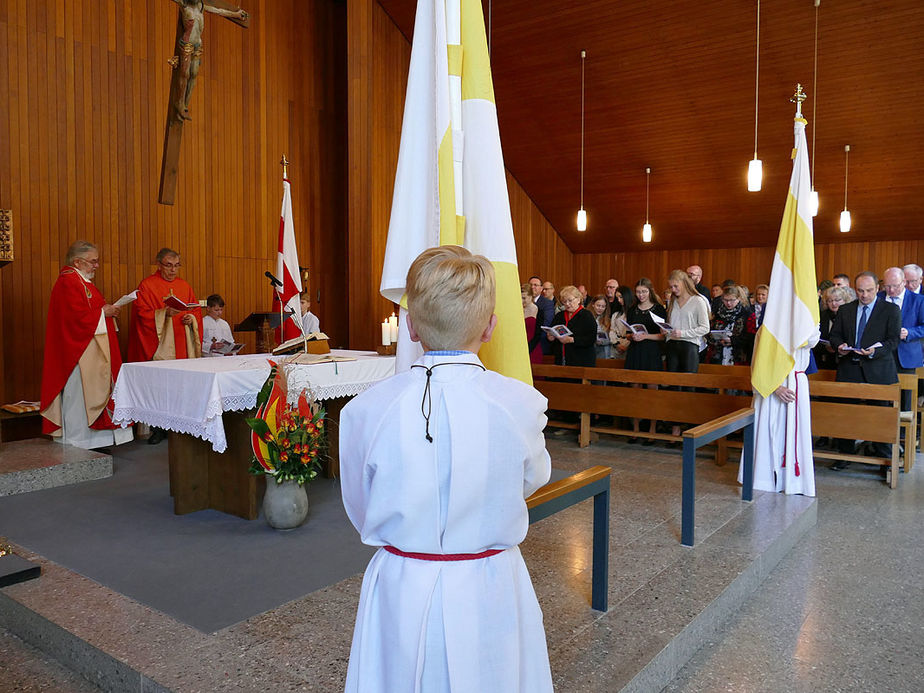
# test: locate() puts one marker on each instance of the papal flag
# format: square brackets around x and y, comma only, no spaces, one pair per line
[450,186]
[792,305]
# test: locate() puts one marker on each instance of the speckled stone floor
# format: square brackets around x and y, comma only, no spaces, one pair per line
[656,588]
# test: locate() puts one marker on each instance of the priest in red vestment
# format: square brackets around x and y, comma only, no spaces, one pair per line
[82,357]
[158,331]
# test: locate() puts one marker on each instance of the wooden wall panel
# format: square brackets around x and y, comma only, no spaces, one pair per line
[84,87]
[378,58]
[750,266]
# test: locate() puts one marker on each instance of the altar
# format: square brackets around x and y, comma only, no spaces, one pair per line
[201,402]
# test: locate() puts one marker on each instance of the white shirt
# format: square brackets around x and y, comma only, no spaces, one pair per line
[897,300]
[310,323]
[217,329]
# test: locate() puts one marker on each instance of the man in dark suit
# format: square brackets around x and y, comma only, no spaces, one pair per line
[861,324]
[546,310]
[696,274]
[908,356]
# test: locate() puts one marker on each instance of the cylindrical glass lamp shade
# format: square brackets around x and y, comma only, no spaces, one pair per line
[581,220]
[755,175]
[646,233]
[813,203]
[845,221]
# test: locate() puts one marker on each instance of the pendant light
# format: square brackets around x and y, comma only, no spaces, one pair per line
[582,215]
[646,229]
[813,199]
[755,167]
[845,215]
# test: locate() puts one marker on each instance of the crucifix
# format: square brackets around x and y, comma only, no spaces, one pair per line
[185,63]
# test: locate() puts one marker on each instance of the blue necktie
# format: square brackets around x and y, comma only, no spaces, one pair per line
[862,325]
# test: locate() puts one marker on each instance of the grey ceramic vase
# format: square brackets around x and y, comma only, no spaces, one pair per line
[285,505]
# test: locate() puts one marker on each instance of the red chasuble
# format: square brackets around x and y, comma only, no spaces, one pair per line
[154,336]
[70,338]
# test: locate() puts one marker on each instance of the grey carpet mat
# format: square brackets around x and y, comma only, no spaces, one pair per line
[207,569]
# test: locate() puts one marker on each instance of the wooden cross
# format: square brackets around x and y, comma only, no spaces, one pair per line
[185,63]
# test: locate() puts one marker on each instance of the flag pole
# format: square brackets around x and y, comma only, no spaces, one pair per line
[282,323]
[797,99]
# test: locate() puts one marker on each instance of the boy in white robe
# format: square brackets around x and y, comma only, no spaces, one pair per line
[435,465]
[214,327]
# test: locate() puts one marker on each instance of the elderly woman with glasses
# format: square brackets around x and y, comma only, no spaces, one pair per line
[577,348]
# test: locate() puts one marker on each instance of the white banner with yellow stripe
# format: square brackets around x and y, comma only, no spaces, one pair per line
[450,186]
[791,317]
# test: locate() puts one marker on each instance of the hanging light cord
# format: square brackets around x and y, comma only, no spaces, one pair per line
[756,78]
[846,161]
[583,55]
[815,86]
[647,182]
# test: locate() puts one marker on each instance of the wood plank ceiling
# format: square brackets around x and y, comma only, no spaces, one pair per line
[670,85]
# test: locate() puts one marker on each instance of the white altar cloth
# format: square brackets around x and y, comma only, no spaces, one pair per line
[190,395]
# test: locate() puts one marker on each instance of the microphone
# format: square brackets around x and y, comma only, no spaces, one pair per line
[273,280]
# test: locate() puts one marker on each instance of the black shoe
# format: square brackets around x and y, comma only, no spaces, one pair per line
[839,465]
[102,451]
[157,436]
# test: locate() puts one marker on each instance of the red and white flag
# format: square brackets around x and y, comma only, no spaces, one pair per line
[287,271]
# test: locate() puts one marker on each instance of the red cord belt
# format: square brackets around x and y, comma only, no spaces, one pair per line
[443,556]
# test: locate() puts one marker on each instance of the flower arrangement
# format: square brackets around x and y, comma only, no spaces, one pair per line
[288,441]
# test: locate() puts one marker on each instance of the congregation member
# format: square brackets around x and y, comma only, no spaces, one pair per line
[601,313]
[214,327]
[761,293]
[825,354]
[688,316]
[160,332]
[533,331]
[585,299]
[310,321]
[576,349]
[546,310]
[908,355]
[696,274]
[913,275]
[729,341]
[861,324]
[714,293]
[841,280]
[548,293]
[644,351]
[82,357]
[609,291]
[619,340]
[446,603]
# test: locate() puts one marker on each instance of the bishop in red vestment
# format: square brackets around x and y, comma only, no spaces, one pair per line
[82,358]
[159,332]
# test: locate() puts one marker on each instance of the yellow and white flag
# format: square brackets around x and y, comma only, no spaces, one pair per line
[450,186]
[792,304]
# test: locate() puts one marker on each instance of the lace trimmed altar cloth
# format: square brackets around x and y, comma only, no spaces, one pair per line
[190,395]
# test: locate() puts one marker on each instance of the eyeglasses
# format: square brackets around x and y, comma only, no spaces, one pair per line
[91,262]
[171,265]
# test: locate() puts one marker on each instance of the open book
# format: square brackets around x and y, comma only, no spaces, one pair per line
[720,334]
[21,407]
[174,302]
[557,330]
[859,349]
[659,321]
[309,359]
[225,347]
[126,299]
[637,328]
[298,342]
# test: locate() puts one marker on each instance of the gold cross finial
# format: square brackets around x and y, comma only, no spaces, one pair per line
[797,99]
[285,167]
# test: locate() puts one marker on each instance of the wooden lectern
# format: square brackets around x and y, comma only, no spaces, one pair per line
[263,324]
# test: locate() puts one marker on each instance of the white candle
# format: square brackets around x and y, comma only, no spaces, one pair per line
[393,323]
[386,334]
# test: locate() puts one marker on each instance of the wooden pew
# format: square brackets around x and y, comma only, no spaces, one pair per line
[711,400]
[566,492]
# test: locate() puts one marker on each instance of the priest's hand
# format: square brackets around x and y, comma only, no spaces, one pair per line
[110,311]
[785,394]
[188,319]
[171,311]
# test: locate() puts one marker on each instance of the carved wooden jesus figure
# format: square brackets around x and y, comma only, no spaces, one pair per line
[190,23]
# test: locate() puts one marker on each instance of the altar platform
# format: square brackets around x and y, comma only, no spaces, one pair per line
[665,600]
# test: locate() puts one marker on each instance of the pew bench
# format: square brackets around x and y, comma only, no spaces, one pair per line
[558,495]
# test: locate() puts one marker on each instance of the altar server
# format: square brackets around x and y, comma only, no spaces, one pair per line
[82,358]
[159,332]
[435,465]
[214,327]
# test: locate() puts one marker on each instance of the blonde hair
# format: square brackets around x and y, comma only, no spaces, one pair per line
[686,283]
[568,291]
[450,296]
